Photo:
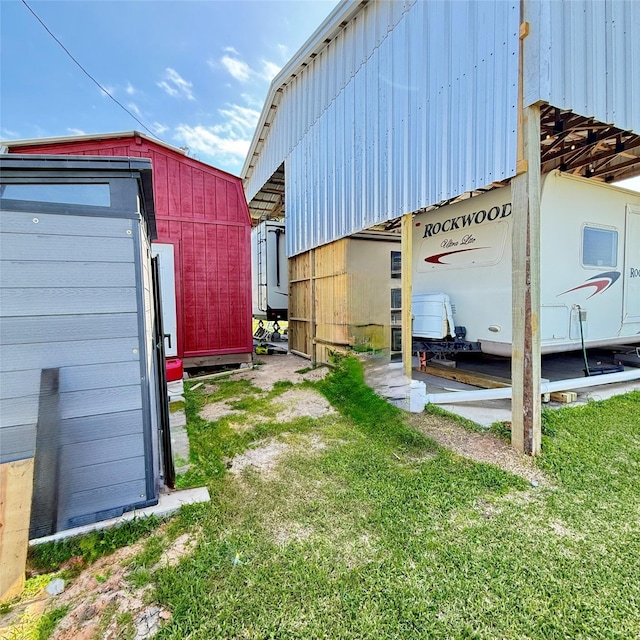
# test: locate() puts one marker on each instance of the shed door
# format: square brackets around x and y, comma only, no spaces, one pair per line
[168,289]
[632,266]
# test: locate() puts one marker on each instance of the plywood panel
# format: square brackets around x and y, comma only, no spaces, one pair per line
[16,484]
[331,259]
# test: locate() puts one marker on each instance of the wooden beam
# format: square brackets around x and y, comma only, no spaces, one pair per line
[406,245]
[475,378]
[16,487]
[526,404]
[313,306]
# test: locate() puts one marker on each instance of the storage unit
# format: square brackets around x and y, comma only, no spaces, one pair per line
[79,380]
[203,216]
[345,296]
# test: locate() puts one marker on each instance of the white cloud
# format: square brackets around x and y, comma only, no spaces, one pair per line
[241,71]
[231,50]
[237,68]
[76,132]
[8,133]
[227,141]
[130,89]
[270,70]
[134,107]
[175,85]
[284,51]
[159,128]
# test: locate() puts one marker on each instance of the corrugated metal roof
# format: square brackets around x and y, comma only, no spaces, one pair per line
[372,128]
[584,56]
[393,107]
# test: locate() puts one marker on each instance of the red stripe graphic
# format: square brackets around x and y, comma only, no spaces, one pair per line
[435,259]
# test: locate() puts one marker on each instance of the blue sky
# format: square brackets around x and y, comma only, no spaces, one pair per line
[195,72]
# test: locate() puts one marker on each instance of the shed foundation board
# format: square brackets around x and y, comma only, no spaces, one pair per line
[16,485]
[212,361]
[167,504]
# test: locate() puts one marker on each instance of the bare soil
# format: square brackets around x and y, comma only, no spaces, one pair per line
[481,447]
[101,597]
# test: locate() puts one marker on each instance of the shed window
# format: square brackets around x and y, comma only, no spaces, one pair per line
[599,247]
[91,195]
[396,264]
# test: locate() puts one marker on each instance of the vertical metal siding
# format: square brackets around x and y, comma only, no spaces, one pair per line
[584,56]
[414,102]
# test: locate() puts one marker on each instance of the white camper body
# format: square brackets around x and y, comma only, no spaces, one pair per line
[269,271]
[589,274]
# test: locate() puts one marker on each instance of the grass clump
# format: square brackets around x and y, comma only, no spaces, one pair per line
[49,621]
[49,556]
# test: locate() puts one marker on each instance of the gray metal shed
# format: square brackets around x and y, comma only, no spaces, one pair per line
[81,389]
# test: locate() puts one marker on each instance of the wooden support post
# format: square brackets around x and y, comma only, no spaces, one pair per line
[525,293]
[312,307]
[16,486]
[407,266]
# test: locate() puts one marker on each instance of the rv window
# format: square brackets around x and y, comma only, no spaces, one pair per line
[599,247]
[396,264]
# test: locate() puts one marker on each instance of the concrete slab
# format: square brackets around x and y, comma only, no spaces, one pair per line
[390,382]
[168,503]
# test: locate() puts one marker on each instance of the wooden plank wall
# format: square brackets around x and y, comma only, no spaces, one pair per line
[300,325]
[339,298]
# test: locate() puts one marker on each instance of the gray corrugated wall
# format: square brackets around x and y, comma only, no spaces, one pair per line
[410,104]
[584,56]
[68,300]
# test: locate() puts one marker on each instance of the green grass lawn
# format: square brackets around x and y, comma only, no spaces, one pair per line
[383,534]
[368,529]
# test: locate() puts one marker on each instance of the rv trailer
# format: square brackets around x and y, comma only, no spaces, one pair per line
[589,273]
[269,271]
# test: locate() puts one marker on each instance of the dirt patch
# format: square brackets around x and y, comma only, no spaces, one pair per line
[300,403]
[262,458]
[216,410]
[277,368]
[101,596]
[481,447]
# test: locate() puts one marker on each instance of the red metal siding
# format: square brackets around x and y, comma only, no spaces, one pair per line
[202,211]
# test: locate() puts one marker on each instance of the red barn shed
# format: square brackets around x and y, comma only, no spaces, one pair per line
[202,212]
